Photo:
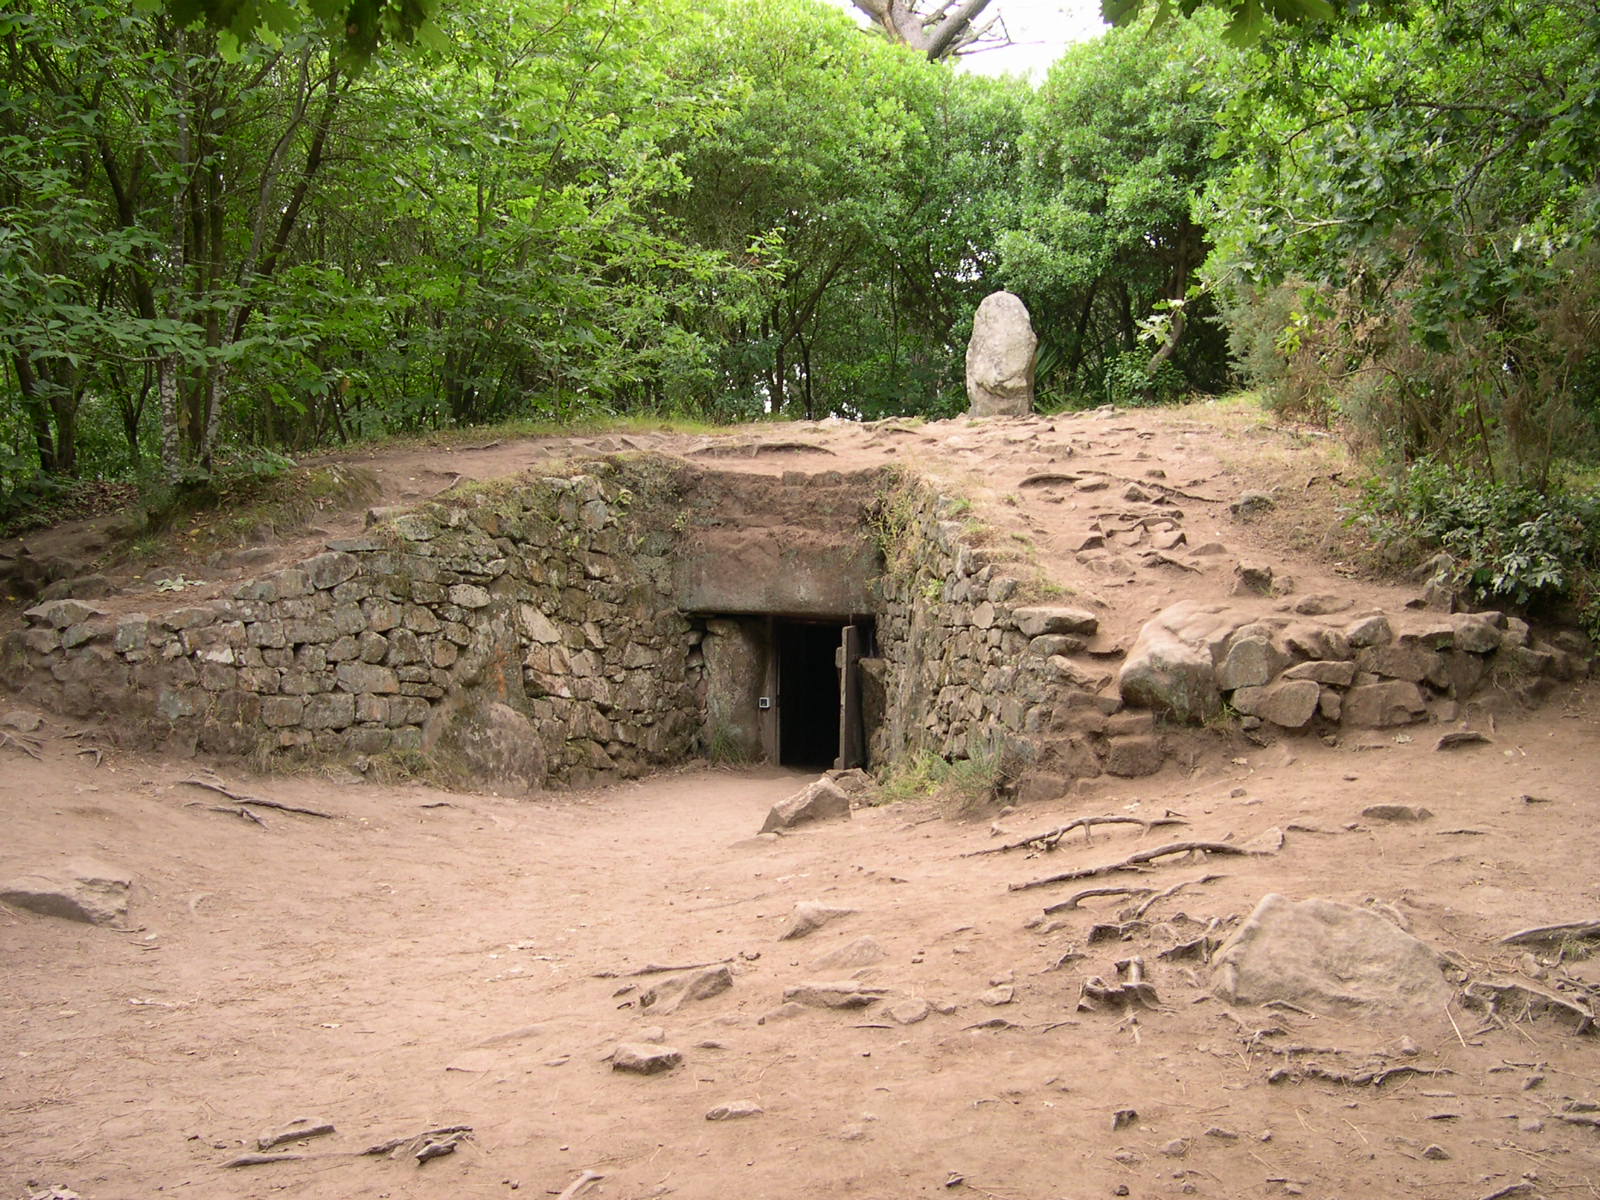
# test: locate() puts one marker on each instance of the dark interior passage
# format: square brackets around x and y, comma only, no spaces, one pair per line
[808,693]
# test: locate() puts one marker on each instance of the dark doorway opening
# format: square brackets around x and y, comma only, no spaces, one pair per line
[808,692]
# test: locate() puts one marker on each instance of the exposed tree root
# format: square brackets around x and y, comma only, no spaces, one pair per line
[1135,861]
[1048,839]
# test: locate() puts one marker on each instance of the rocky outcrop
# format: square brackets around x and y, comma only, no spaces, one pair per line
[1000,358]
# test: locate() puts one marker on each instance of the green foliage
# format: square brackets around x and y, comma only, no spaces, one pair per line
[1129,380]
[1103,245]
[961,786]
[1424,186]
[1508,545]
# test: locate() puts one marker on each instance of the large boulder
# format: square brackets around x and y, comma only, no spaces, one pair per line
[1172,665]
[1329,958]
[1000,358]
[820,801]
[492,744]
[81,890]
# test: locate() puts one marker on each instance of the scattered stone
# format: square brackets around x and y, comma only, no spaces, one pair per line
[80,890]
[852,781]
[1252,579]
[1001,358]
[734,1110]
[784,1012]
[1222,1135]
[1321,604]
[639,1058]
[672,994]
[1124,1117]
[21,721]
[1329,957]
[1396,812]
[1176,1148]
[819,801]
[1436,1153]
[909,1012]
[1252,504]
[863,952]
[810,916]
[1461,737]
[996,996]
[844,993]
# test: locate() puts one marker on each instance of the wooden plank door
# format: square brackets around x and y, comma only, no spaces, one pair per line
[852,734]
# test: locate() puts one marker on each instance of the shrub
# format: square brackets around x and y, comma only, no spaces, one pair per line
[1508,545]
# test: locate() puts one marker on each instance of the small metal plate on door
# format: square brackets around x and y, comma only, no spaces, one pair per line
[764,702]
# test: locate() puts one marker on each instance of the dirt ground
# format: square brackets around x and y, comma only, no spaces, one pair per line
[421,960]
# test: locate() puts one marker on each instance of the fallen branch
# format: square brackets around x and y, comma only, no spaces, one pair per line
[99,757]
[1051,837]
[1576,930]
[1134,861]
[241,798]
[660,969]
[1169,893]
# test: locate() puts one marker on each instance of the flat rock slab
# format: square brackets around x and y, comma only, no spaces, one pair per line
[863,952]
[80,890]
[810,916]
[641,1058]
[823,800]
[1396,812]
[844,993]
[672,994]
[1329,958]
[734,1110]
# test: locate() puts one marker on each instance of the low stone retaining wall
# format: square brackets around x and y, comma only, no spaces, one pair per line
[535,632]
[1322,667]
[971,664]
[526,631]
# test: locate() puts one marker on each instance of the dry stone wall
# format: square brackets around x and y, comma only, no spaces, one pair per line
[535,632]
[1316,666]
[971,665]
[526,633]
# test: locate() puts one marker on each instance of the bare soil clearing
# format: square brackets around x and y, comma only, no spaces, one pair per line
[426,961]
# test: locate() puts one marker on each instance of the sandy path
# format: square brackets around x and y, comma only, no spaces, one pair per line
[403,967]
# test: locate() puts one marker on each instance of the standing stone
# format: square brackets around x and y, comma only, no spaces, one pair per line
[1000,358]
